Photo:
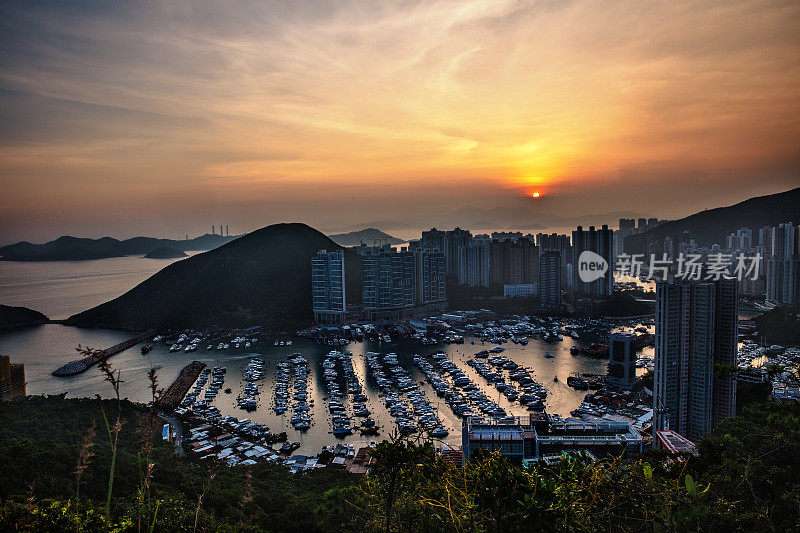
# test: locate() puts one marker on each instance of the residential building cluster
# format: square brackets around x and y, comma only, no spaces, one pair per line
[396,284]
[401,283]
[630,226]
[775,251]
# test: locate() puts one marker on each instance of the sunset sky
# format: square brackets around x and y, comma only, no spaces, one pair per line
[161,118]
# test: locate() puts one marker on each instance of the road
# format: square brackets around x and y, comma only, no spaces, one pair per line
[177,429]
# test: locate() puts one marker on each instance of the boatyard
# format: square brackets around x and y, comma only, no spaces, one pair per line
[360,383]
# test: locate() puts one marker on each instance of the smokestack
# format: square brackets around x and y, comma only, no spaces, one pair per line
[226,231]
[212,229]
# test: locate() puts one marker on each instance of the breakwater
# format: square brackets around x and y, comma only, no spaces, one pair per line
[82,365]
[175,393]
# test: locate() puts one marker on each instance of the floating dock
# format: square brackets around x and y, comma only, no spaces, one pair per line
[82,365]
[175,393]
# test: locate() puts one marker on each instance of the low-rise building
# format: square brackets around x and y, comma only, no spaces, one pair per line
[529,438]
[519,290]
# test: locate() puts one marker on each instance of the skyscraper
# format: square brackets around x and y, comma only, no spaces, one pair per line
[599,241]
[473,264]
[695,355]
[388,278]
[513,262]
[448,242]
[550,280]
[783,266]
[430,274]
[399,284]
[621,360]
[328,287]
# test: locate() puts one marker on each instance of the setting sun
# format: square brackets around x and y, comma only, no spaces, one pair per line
[535,195]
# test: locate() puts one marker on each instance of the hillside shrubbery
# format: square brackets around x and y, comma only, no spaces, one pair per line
[746,478]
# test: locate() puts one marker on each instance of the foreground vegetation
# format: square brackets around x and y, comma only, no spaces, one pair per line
[56,457]
[780,325]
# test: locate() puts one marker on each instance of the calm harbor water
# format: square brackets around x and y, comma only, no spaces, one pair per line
[60,289]
[44,348]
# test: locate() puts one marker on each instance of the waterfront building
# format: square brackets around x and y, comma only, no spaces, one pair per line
[398,284]
[388,280]
[599,241]
[627,223]
[328,287]
[527,439]
[695,350]
[550,281]
[621,360]
[12,380]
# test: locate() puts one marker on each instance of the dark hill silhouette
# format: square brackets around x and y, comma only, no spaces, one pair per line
[367,236]
[261,278]
[165,252]
[16,317]
[68,248]
[713,225]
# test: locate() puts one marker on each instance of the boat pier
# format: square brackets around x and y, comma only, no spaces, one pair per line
[175,393]
[82,365]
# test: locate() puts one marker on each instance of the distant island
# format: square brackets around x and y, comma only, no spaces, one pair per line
[80,249]
[18,317]
[262,278]
[367,236]
[165,252]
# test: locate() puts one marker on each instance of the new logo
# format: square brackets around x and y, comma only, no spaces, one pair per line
[591,266]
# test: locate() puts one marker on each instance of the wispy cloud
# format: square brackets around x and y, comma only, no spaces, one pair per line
[308,103]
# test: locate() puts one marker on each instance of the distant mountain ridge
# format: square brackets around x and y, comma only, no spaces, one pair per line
[68,248]
[262,278]
[366,236]
[713,225]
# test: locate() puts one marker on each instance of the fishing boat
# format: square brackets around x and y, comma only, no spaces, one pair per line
[577,382]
